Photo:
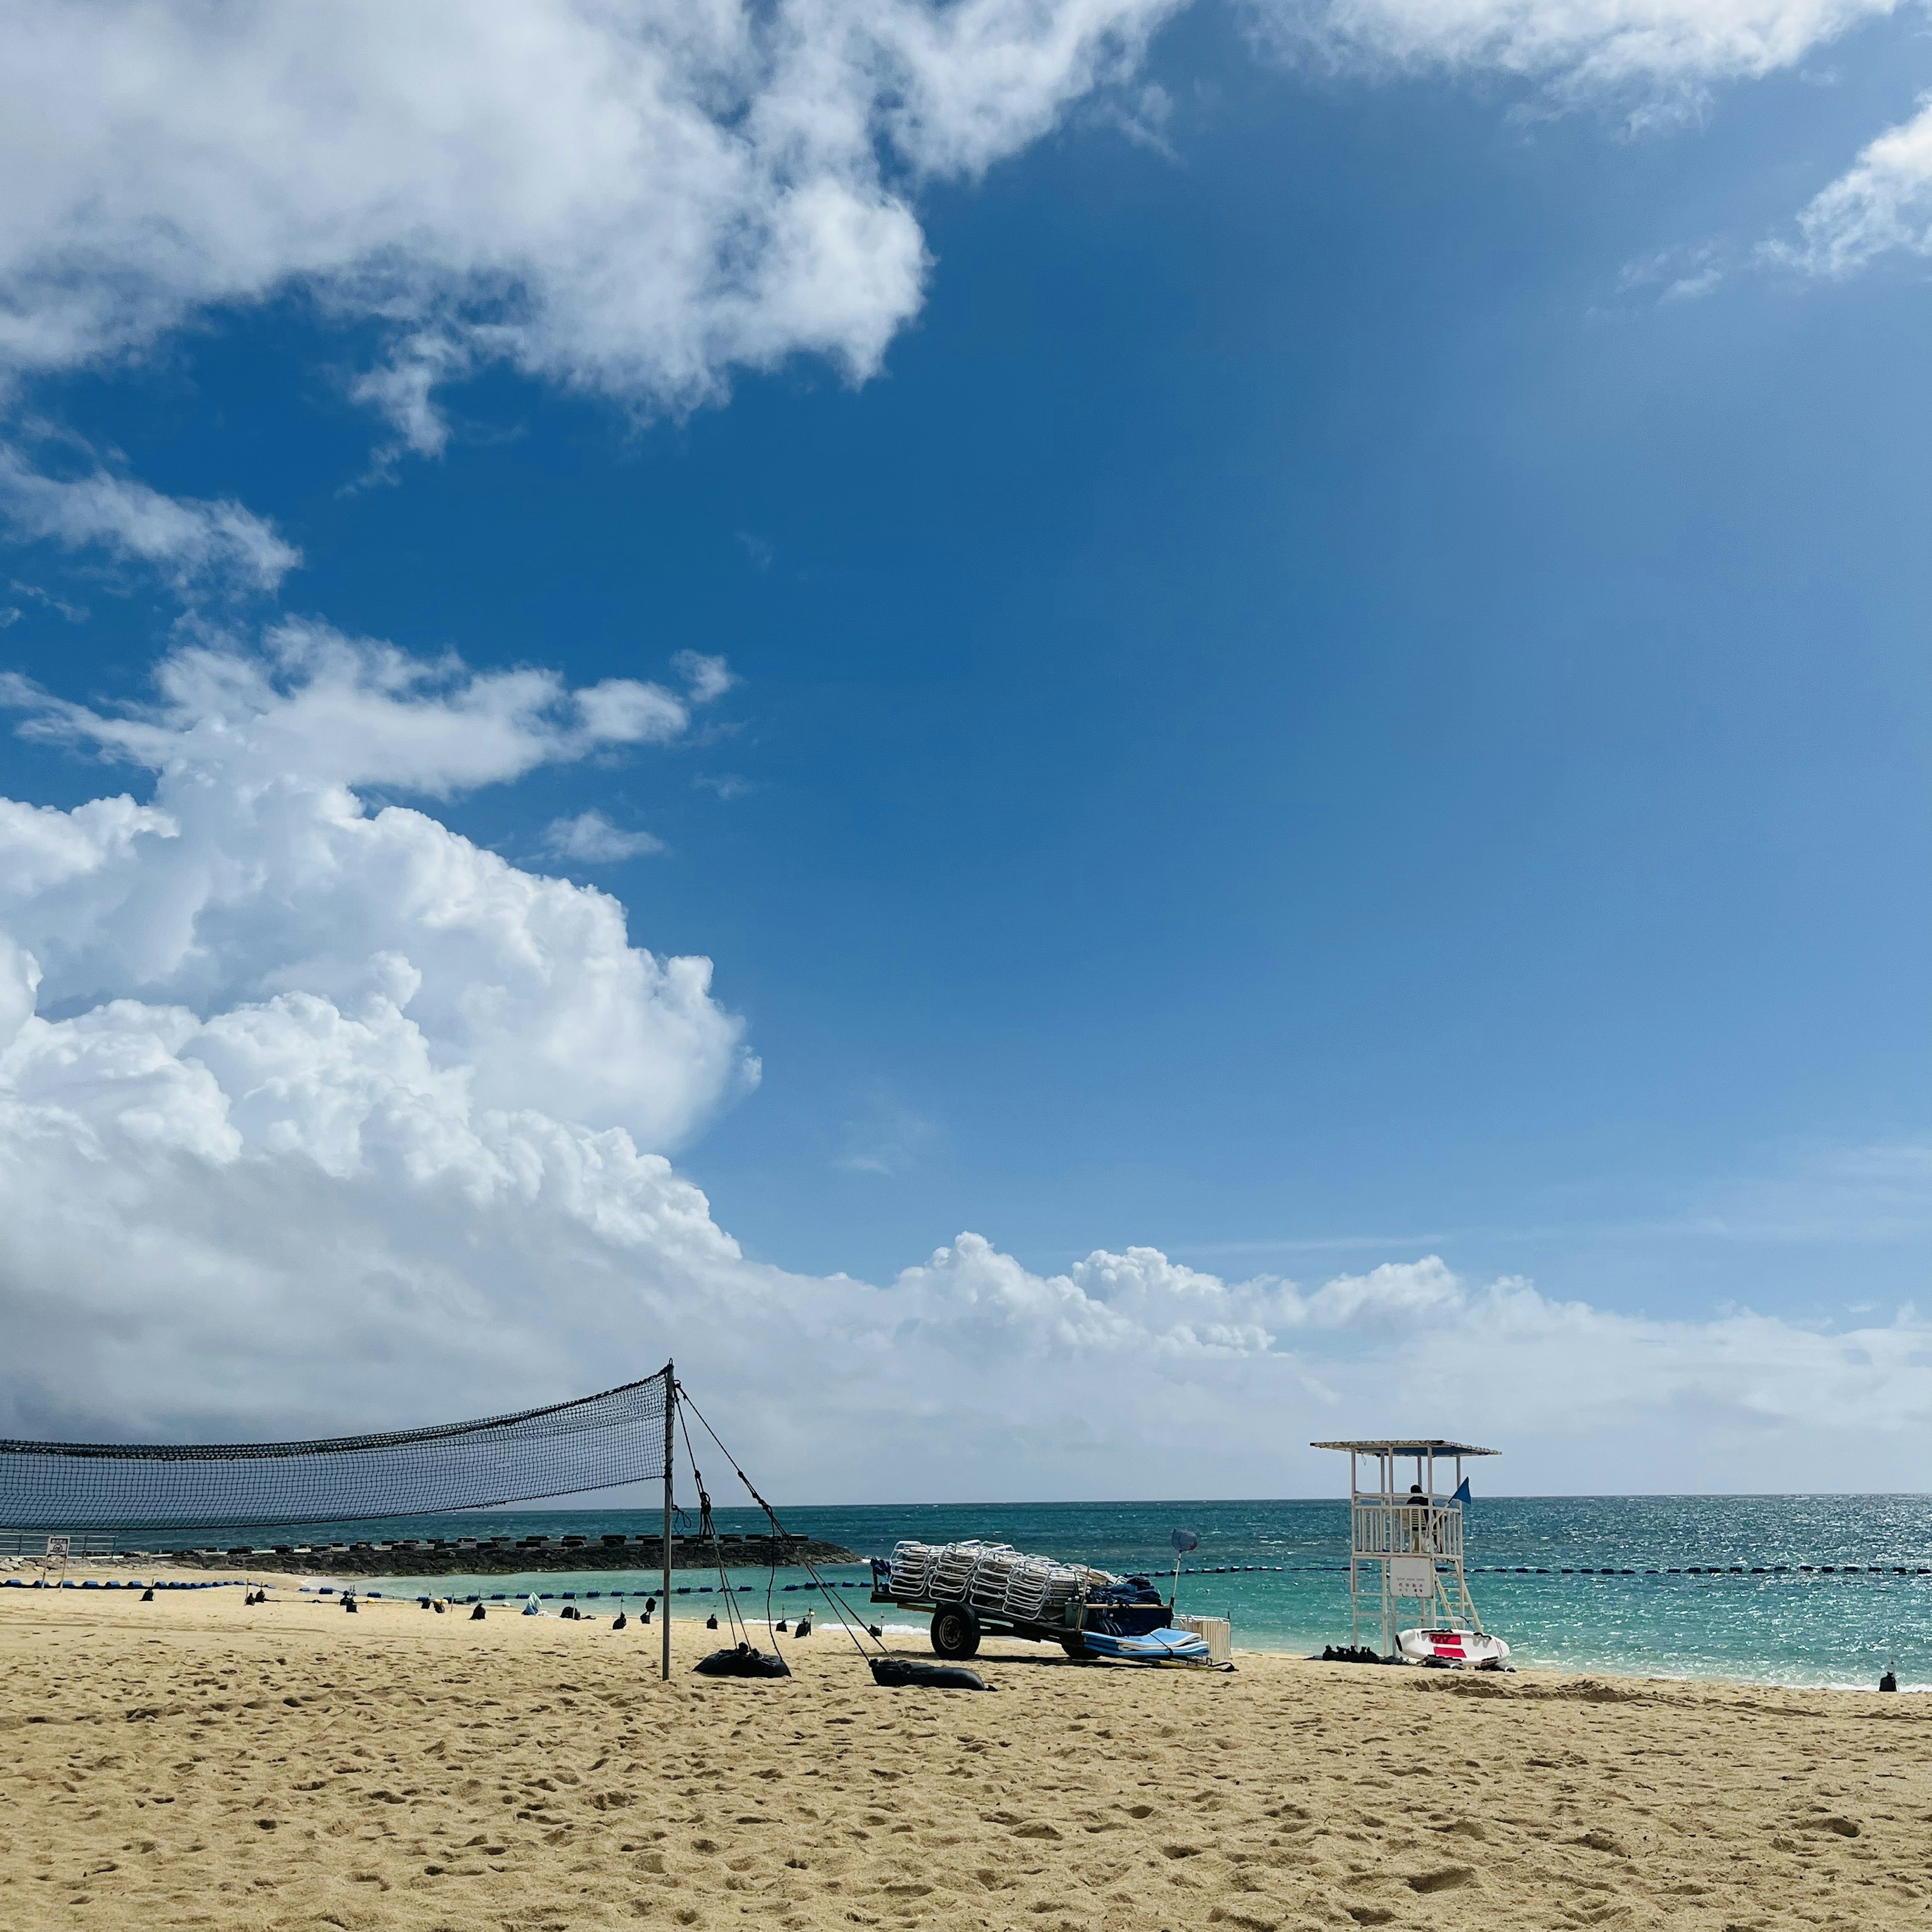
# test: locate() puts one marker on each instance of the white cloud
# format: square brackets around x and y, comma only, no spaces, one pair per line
[190,543]
[74,613]
[592,838]
[1657,51]
[1882,204]
[634,198]
[627,195]
[708,677]
[255,870]
[351,712]
[315,1116]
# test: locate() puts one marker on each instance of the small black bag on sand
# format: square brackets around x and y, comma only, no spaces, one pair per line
[892,1672]
[744,1661]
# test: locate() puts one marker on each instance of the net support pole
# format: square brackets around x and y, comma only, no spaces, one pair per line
[670,1424]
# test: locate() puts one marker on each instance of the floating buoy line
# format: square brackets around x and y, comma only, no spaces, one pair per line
[1216,1570]
[1584,1569]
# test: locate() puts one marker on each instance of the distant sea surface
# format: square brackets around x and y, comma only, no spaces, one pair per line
[1280,1571]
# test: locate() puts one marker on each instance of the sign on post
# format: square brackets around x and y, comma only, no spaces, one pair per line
[1412,1576]
[58,1547]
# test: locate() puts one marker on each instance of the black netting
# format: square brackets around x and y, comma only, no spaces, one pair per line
[591,1444]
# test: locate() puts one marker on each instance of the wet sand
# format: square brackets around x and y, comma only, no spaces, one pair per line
[188,1762]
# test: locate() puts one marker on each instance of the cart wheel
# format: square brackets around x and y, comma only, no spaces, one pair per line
[1074,1646]
[955,1631]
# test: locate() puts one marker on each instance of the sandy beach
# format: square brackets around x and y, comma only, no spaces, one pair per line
[189,1762]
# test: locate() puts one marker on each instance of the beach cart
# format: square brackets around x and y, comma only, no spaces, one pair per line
[974,1590]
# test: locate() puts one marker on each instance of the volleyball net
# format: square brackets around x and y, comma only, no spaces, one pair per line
[594,1443]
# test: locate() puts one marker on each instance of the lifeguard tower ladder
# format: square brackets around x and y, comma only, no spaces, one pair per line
[1404,1541]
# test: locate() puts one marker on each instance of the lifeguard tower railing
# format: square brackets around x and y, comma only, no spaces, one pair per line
[1405,1538]
[1407,1529]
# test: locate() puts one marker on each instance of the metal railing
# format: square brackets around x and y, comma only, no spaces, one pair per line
[35,1542]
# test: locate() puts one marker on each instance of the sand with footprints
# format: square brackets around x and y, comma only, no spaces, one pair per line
[191,1762]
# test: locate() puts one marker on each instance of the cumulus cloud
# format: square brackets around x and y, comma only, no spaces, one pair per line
[192,544]
[592,838]
[626,195]
[1660,51]
[255,870]
[1882,204]
[1243,1374]
[314,1115]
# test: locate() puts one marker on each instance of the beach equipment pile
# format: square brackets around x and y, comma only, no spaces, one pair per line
[993,1577]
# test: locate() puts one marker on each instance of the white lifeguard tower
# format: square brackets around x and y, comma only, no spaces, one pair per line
[1408,1537]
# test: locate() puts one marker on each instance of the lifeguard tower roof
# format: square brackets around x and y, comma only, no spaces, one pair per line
[1410,1445]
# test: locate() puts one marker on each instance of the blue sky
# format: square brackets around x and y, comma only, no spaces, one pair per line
[1310,714]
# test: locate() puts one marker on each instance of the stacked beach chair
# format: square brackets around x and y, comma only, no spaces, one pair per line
[993,1577]
[912,1571]
[1039,1589]
[952,1568]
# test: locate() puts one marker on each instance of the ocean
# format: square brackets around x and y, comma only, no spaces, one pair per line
[1279,1571]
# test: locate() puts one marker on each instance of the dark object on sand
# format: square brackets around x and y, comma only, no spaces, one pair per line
[893,1672]
[476,1615]
[148,1594]
[711,1621]
[1348,1653]
[619,1621]
[804,1625]
[439,1607]
[744,1661]
[349,1604]
[780,1624]
[1888,1682]
[873,1630]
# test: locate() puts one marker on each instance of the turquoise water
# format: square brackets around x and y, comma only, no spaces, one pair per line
[1797,1629]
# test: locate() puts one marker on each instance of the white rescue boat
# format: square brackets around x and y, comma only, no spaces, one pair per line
[1462,1649]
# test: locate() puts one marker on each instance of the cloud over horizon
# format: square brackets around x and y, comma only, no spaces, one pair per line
[315,1114]
[314,1117]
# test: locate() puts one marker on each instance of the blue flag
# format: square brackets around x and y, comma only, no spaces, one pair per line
[1462,1495]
